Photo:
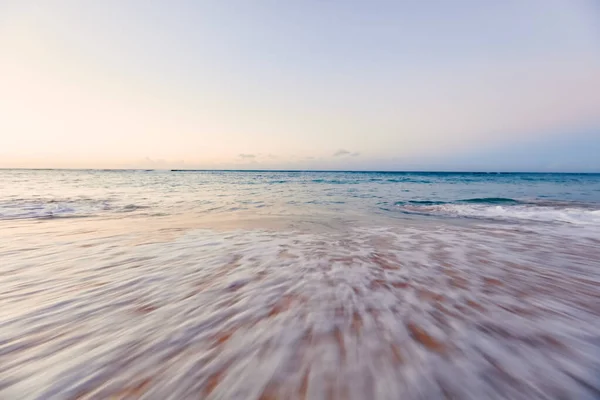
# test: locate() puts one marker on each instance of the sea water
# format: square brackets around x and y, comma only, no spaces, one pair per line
[292,285]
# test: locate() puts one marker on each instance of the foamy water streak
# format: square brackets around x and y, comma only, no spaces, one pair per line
[420,311]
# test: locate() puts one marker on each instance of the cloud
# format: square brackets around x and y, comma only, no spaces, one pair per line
[345,153]
[341,152]
[247,156]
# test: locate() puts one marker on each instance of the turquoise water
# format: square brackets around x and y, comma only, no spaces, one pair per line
[568,198]
[298,285]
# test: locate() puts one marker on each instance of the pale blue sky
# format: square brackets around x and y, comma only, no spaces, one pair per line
[325,84]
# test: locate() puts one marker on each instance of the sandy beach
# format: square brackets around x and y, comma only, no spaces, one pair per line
[421,310]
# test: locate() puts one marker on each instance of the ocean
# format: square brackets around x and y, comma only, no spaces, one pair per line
[298,284]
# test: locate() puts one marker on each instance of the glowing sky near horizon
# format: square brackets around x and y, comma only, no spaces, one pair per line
[300,84]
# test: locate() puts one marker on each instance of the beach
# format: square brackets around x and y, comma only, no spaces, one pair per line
[299,285]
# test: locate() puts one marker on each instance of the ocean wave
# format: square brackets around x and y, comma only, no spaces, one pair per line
[407,180]
[491,200]
[420,202]
[477,200]
[337,181]
[513,210]
[60,208]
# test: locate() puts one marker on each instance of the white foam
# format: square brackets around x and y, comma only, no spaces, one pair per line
[36,209]
[577,216]
[381,313]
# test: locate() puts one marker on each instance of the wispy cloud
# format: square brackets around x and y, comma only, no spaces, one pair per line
[247,156]
[341,152]
[345,153]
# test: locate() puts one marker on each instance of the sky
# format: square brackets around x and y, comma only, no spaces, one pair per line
[304,84]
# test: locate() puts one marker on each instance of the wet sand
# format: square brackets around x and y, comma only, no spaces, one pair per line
[279,308]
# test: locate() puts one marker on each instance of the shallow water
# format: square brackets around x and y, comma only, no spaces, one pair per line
[170,285]
[28,194]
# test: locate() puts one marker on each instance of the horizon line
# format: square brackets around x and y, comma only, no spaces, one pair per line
[300,170]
